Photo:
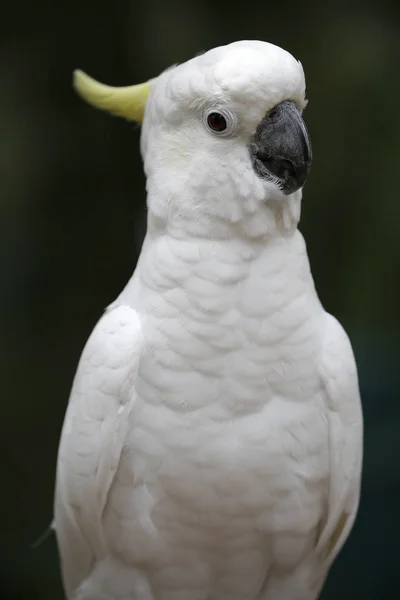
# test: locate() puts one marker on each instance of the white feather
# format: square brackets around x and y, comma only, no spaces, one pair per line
[92,440]
[212,445]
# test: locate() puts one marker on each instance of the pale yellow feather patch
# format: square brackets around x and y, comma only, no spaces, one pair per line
[334,538]
[128,102]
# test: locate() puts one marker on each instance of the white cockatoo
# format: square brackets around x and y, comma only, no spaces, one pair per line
[212,445]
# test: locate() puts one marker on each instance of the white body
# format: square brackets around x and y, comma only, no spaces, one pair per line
[212,445]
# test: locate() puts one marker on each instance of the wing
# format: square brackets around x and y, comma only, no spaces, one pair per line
[92,439]
[339,376]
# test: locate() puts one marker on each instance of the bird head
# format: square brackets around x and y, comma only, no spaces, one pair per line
[222,134]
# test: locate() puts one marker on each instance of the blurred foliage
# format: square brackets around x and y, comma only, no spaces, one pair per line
[72,206]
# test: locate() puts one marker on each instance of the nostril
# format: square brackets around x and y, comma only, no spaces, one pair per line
[272,113]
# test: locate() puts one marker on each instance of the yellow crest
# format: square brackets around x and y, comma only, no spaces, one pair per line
[128,102]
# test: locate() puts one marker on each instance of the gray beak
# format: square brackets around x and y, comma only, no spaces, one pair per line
[281,148]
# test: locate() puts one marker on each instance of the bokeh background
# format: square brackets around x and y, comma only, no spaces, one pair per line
[72,208]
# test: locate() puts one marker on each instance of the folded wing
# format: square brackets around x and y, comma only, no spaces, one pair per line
[92,440]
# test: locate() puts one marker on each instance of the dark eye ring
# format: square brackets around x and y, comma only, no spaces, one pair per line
[216,121]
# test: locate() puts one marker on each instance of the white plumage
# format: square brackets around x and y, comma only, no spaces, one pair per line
[212,444]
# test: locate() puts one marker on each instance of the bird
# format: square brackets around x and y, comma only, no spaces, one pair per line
[212,443]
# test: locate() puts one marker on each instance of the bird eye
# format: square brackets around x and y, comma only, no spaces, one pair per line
[216,121]
[220,121]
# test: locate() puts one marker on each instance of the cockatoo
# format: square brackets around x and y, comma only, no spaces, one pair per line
[212,444]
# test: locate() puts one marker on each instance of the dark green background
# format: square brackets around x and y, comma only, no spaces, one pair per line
[72,209]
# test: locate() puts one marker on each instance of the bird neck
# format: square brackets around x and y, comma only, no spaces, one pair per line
[170,260]
[195,236]
[275,218]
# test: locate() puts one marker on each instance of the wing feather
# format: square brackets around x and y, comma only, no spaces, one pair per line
[340,380]
[92,440]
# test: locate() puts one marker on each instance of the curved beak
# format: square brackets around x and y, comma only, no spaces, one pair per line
[281,148]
